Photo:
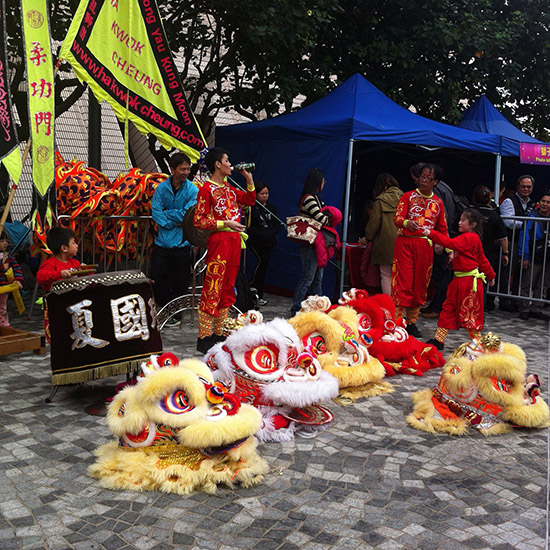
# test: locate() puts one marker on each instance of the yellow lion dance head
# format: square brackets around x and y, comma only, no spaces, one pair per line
[177,430]
[483,385]
[334,338]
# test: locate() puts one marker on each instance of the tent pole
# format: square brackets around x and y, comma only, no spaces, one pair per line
[498,162]
[346,215]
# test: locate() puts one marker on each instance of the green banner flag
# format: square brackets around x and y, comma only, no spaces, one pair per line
[119,48]
[40,79]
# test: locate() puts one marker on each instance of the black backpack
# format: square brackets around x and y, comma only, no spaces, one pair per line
[246,298]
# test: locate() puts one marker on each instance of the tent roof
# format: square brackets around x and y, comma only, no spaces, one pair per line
[483,116]
[358,110]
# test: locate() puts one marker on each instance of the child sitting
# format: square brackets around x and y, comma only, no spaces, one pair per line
[61,264]
[8,262]
[463,306]
[327,241]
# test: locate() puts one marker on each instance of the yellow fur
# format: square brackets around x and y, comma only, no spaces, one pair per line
[345,314]
[515,351]
[317,321]
[502,367]
[483,373]
[355,381]
[536,415]
[120,469]
[358,375]
[461,381]
[215,433]
[422,417]
[198,367]
[366,390]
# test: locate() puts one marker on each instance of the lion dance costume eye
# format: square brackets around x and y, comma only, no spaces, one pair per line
[316,341]
[262,359]
[176,402]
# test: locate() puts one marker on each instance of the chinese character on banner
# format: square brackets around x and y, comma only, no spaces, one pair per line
[130,318]
[41,89]
[43,118]
[37,55]
[82,322]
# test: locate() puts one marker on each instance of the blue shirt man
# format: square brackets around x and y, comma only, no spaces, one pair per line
[172,255]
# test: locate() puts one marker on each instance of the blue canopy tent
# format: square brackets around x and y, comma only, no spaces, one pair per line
[322,134]
[484,117]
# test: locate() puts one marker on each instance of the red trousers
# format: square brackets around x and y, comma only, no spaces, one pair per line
[223,258]
[463,307]
[411,271]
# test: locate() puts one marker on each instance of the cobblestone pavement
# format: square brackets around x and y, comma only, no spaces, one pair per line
[369,481]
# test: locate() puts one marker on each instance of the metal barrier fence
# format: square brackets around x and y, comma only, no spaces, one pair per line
[121,243]
[529,261]
[115,243]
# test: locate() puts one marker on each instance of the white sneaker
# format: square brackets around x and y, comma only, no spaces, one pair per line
[262,302]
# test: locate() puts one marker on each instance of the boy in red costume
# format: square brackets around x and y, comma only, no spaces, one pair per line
[219,209]
[413,254]
[463,306]
[60,265]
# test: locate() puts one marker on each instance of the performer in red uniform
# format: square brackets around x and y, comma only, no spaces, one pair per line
[413,253]
[219,209]
[62,263]
[463,306]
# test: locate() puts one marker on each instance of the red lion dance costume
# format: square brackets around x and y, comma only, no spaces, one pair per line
[391,345]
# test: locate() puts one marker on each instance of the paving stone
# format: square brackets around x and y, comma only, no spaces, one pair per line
[368,481]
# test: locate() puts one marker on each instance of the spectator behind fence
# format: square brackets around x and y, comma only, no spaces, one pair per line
[519,204]
[8,262]
[413,253]
[310,205]
[495,236]
[380,229]
[533,248]
[219,210]
[262,230]
[61,265]
[172,256]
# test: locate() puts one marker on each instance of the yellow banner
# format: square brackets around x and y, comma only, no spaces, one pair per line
[40,80]
[118,47]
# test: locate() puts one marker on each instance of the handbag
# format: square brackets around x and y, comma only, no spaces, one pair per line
[302,229]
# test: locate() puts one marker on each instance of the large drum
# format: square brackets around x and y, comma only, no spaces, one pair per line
[196,236]
[101,325]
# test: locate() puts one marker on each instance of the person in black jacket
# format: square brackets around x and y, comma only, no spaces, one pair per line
[495,236]
[261,237]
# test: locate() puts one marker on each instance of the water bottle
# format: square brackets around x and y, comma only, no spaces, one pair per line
[248,166]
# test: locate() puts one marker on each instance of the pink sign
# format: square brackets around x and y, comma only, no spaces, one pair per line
[534,153]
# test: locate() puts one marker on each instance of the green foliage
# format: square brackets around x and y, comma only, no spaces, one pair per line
[430,56]
[257,57]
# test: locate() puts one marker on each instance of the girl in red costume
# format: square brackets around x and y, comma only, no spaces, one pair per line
[219,209]
[463,306]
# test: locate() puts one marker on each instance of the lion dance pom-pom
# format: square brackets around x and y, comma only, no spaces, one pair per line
[178,430]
